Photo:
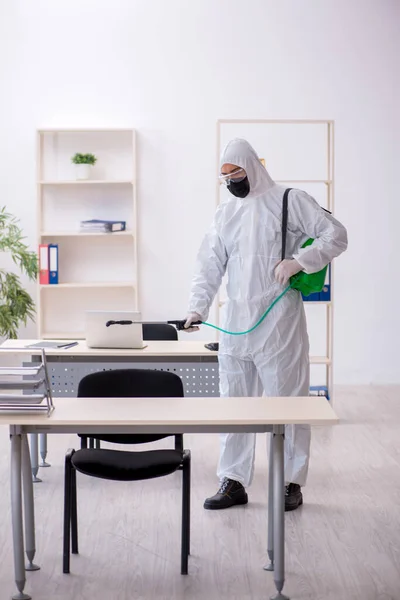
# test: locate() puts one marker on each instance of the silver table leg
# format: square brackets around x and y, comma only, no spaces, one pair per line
[35,457]
[29,510]
[16,515]
[279,510]
[43,449]
[270,547]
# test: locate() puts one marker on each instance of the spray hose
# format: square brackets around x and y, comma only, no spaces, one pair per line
[181,324]
[270,307]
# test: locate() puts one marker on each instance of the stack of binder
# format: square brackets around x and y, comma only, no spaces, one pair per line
[99,226]
[48,264]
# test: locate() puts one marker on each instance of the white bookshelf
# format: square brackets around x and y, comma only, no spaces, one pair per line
[45,234]
[97,271]
[299,154]
[86,182]
[89,284]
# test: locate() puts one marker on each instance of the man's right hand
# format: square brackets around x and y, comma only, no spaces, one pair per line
[192,318]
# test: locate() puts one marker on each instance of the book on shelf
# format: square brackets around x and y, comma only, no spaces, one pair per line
[53,263]
[100,226]
[48,264]
[44,264]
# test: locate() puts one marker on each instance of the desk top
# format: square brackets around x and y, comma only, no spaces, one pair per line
[160,349]
[191,412]
[167,348]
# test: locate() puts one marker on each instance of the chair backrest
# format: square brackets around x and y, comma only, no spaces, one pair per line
[131,383]
[159,331]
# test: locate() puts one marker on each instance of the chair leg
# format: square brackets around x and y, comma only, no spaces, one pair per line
[74,513]
[67,510]
[92,443]
[185,543]
[179,442]
[189,504]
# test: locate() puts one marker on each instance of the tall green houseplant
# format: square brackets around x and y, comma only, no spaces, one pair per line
[16,305]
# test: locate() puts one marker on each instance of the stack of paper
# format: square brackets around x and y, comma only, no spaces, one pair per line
[99,226]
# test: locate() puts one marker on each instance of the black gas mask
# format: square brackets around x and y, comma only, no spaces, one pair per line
[240,189]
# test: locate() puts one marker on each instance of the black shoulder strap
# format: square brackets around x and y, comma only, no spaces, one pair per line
[284,221]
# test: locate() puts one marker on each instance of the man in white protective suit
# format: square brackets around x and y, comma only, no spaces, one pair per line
[245,242]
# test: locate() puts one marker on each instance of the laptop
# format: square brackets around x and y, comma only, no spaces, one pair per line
[116,334]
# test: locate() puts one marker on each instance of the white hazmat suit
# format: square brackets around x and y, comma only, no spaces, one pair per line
[245,242]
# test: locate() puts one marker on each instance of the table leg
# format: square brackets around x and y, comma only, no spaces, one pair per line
[35,457]
[43,449]
[270,546]
[29,509]
[16,515]
[279,510]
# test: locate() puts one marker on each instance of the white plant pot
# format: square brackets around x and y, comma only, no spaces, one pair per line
[83,171]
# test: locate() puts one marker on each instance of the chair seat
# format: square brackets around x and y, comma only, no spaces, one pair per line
[126,438]
[119,465]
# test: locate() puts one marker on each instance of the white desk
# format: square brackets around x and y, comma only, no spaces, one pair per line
[197,366]
[168,415]
[153,349]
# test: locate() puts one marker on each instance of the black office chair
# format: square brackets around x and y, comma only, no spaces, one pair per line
[159,331]
[151,332]
[119,465]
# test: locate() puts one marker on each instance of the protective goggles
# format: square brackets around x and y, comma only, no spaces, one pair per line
[234,177]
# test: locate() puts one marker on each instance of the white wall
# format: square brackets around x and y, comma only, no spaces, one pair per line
[171,69]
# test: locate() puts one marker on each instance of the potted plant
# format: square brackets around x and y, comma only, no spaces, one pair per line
[16,305]
[83,164]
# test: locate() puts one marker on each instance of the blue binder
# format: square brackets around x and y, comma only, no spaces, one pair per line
[319,390]
[53,263]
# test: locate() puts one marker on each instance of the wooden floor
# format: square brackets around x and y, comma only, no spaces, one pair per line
[343,544]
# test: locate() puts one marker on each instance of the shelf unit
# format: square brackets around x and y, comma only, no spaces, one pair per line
[89,284]
[321,187]
[96,270]
[86,182]
[45,234]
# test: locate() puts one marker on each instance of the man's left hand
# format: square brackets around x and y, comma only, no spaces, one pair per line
[286,269]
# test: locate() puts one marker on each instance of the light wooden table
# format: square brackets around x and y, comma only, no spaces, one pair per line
[188,358]
[153,349]
[71,364]
[155,415]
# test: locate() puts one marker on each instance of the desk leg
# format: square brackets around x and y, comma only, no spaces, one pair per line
[279,510]
[16,515]
[270,547]
[43,449]
[35,457]
[29,509]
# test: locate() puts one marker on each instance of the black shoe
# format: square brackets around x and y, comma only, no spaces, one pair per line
[293,497]
[229,494]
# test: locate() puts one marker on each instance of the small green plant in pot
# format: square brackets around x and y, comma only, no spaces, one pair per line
[16,305]
[83,164]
